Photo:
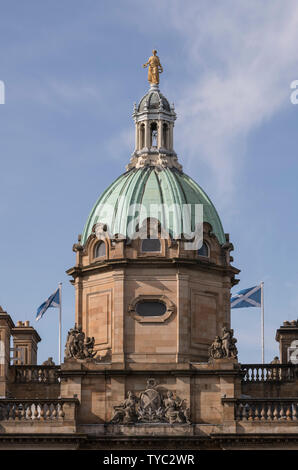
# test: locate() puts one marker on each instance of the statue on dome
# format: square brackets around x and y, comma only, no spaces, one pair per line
[155,68]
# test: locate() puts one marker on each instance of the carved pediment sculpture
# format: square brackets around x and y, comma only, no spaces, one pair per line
[151,407]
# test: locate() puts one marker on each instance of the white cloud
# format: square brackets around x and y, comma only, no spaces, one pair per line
[63,95]
[120,146]
[244,56]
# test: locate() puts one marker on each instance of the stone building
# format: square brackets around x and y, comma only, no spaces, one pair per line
[151,362]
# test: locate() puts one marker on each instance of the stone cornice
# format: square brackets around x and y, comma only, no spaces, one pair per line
[24,332]
[150,372]
[7,318]
[160,262]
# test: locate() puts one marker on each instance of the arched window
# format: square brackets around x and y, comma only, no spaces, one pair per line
[142,136]
[204,250]
[150,308]
[153,129]
[151,244]
[100,250]
[165,135]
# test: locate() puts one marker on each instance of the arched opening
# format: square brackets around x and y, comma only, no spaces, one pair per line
[204,250]
[142,136]
[153,133]
[151,245]
[100,250]
[165,132]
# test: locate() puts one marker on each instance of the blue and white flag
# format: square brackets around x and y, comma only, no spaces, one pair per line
[53,301]
[251,297]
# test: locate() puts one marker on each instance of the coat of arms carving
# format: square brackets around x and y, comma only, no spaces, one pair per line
[151,407]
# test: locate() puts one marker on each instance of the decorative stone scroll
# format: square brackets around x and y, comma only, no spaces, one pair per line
[141,159]
[76,346]
[224,346]
[151,407]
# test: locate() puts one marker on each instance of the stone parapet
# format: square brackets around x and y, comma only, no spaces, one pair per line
[38,415]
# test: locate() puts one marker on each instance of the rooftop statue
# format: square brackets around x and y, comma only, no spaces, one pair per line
[155,68]
[224,346]
[77,346]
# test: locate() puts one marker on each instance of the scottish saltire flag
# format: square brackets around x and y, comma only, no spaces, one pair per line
[53,301]
[250,297]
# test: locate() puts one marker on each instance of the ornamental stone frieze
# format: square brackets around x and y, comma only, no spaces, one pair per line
[151,406]
[161,160]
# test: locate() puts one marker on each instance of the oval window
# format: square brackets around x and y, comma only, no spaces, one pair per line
[150,308]
[151,244]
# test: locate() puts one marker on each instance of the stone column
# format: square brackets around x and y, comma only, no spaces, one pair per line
[6,325]
[147,134]
[25,339]
[170,137]
[78,300]
[137,136]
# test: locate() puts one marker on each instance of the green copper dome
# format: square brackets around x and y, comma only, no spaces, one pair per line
[150,186]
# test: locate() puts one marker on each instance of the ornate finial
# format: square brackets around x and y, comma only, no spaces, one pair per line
[155,68]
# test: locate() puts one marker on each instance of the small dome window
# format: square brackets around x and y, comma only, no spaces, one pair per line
[100,250]
[204,250]
[151,245]
[150,308]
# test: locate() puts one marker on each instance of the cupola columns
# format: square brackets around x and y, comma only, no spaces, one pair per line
[154,120]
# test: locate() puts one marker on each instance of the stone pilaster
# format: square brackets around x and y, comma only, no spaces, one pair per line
[118,319]
[6,325]
[183,327]
[78,300]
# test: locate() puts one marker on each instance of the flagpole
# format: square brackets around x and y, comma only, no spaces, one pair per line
[60,319]
[262,322]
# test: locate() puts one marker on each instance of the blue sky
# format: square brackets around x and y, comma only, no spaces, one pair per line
[72,72]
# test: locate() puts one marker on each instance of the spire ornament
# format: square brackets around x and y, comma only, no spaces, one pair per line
[155,68]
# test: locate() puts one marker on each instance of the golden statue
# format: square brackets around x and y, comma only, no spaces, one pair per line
[155,68]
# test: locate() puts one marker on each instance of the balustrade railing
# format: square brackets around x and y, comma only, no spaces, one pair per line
[34,409]
[264,409]
[36,374]
[269,372]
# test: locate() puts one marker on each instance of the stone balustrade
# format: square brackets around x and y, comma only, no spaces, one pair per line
[264,409]
[35,374]
[29,410]
[269,372]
